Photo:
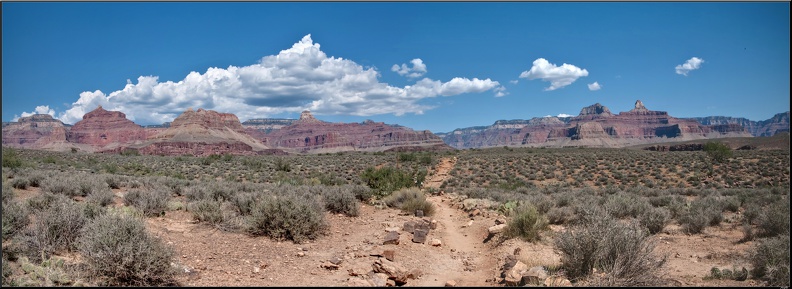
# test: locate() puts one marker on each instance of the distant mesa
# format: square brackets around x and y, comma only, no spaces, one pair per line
[206,132]
[595,126]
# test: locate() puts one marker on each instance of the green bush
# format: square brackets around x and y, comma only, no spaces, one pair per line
[11,159]
[387,179]
[706,211]
[290,217]
[717,151]
[208,211]
[559,216]
[100,197]
[152,202]
[120,249]
[622,205]
[770,260]
[341,200]
[409,200]
[527,224]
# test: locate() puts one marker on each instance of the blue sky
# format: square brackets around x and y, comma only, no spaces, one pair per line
[436,66]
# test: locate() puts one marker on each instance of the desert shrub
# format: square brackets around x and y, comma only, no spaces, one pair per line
[770,260]
[61,184]
[774,220]
[397,198]
[120,249]
[717,151]
[654,219]
[19,183]
[282,165]
[409,200]
[89,185]
[413,205]
[562,215]
[622,205]
[362,193]
[340,200]
[197,193]
[623,251]
[703,212]
[35,178]
[100,197]
[717,273]
[152,202]
[243,202]
[11,159]
[291,217]
[731,203]
[55,228]
[385,180]
[15,217]
[527,224]
[208,211]
[7,192]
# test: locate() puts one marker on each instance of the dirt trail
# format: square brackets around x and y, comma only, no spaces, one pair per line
[465,242]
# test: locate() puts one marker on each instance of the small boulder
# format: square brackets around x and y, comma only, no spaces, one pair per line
[389,254]
[557,281]
[358,282]
[329,266]
[475,212]
[419,213]
[513,276]
[379,279]
[391,238]
[436,242]
[450,283]
[534,276]
[433,224]
[420,235]
[392,269]
[409,226]
[496,229]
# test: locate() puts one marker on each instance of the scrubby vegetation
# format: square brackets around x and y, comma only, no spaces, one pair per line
[613,204]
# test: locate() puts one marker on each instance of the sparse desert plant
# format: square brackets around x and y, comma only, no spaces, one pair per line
[562,215]
[290,217]
[774,220]
[7,192]
[409,200]
[622,251]
[61,184]
[208,211]
[120,249]
[654,219]
[15,218]
[55,228]
[527,224]
[100,197]
[385,180]
[341,200]
[152,202]
[770,260]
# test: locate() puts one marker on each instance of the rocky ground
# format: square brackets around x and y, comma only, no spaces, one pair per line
[377,248]
[354,248]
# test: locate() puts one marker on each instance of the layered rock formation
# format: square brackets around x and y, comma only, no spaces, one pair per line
[594,126]
[309,134]
[203,132]
[769,127]
[36,131]
[102,130]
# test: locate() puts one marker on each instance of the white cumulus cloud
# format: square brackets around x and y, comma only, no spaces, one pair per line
[689,65]
[564,115]
[594,86]
[301,77]
[418,69]
[41,109]
[558,76]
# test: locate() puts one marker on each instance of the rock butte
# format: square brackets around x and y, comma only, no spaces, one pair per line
[309,134]
[595,126]
[203,132]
